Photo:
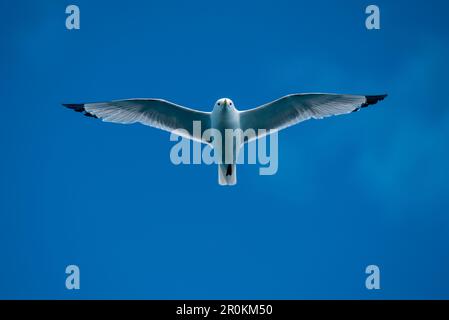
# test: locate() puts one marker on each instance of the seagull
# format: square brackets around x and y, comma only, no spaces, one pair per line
[273,116]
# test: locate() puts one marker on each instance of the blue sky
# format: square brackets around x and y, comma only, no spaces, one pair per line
[367,188]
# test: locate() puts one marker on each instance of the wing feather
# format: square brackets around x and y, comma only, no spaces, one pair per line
[292,109]
[155,113]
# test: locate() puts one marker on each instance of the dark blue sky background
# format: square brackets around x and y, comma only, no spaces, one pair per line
[367,188]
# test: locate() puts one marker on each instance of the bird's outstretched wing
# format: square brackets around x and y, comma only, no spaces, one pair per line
[156,113]
[292,109]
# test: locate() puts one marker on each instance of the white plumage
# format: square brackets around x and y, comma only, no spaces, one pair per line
[275,115]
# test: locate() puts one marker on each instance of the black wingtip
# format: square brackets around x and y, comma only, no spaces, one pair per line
[79,107]
[373,100]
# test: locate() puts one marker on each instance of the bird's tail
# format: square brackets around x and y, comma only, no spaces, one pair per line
[227,174]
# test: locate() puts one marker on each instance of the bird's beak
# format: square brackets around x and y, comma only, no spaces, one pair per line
[225,102]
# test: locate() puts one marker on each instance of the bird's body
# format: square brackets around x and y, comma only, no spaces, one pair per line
[225,119]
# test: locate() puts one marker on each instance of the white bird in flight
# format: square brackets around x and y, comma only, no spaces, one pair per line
[275,115]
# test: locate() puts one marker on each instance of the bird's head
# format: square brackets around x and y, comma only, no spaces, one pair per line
[224,104]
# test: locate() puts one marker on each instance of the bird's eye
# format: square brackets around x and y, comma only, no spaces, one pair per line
[219,103]
[230,103]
